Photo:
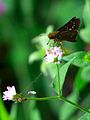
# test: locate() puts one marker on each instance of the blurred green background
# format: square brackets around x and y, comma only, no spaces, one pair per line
[20,22]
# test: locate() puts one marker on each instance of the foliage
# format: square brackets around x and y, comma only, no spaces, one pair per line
[21,59]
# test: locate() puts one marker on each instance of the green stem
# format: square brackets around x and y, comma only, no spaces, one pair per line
[44,98]
[74,104]
[58,80]
[61,98]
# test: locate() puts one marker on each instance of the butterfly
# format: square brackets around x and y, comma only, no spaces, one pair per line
[68,32]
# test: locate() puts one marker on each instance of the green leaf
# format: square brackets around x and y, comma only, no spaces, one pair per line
[55,84]
[43,39]
[63,70]
[66,109]
[34,112]
[13,111]
[79,58]
[86,13]
[87,57]
[38,55]
[41,44]
[85,33]
[3,112]
[86,73]
[86,116]
[79,83]
[50,70]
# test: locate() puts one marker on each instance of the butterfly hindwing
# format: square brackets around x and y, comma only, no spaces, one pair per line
[69,35]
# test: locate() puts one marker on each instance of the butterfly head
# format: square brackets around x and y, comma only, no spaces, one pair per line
[52,35]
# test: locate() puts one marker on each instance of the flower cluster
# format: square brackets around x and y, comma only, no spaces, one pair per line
[2,7]
[11,94]
[54,54]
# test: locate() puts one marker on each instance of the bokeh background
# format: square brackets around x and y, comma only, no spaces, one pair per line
[20,22]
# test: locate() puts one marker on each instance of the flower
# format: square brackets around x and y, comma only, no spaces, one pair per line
[9,94]
[54,54]
[32,92]
[2,7]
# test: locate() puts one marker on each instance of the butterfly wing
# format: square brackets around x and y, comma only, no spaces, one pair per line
[69,35]
[73,24]
[68,32]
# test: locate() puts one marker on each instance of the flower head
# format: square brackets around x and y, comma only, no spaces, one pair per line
[9,94]
[54,54]
[2,7]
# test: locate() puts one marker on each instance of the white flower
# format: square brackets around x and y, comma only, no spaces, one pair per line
[54,54]
[32,92]
[9,94]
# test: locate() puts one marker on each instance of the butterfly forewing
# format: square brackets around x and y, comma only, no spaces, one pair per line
[68,32]
[72,24]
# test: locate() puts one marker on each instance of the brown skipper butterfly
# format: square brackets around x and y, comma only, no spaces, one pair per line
[68,32]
